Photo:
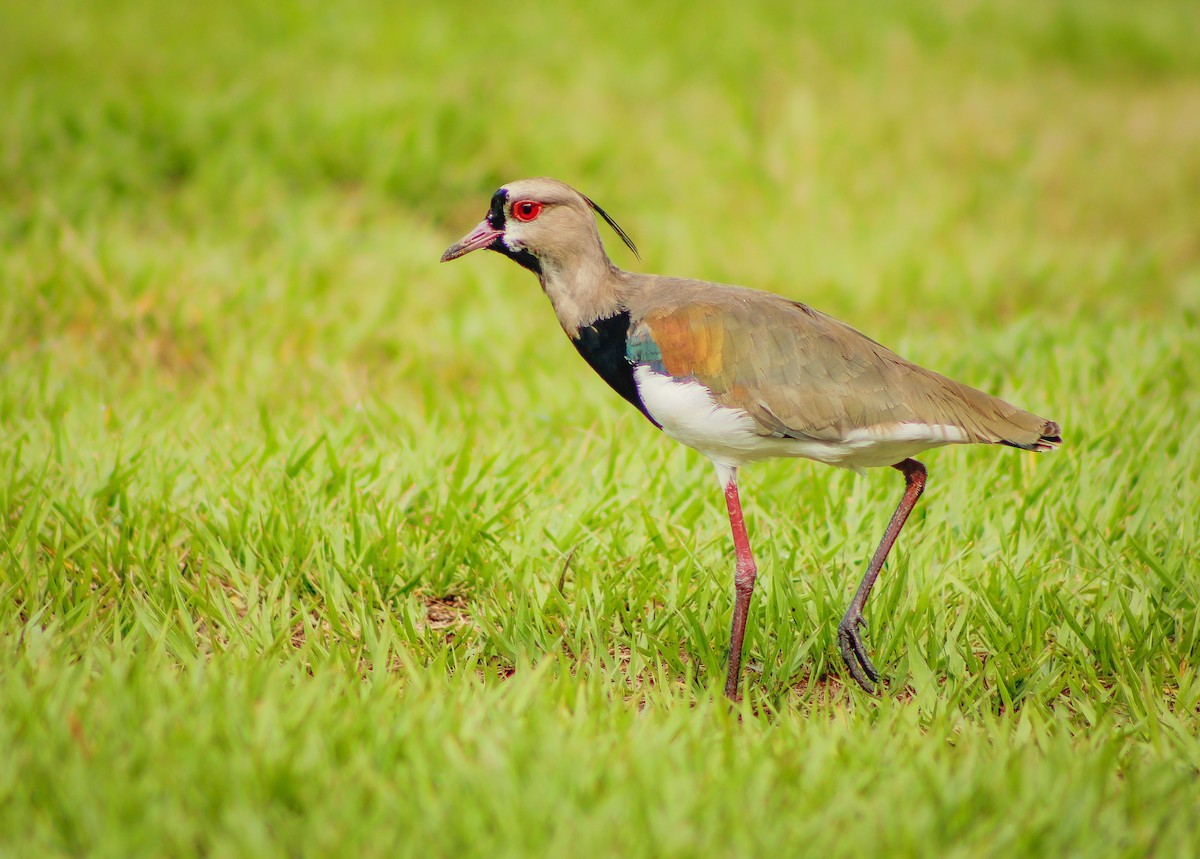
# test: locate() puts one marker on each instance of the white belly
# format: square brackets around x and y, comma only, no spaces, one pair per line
[729,437]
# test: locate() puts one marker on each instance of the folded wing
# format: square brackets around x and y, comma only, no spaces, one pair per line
[801,374]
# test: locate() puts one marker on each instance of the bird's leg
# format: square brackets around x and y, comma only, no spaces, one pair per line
[853,650]
[743,583]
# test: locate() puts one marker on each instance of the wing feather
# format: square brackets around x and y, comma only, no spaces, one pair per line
[803,374]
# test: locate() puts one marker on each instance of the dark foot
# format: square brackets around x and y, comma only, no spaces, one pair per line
[854,652]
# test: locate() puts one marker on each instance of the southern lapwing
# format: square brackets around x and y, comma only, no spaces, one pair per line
[742,375]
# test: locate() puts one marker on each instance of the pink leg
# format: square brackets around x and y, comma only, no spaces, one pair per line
[743,581]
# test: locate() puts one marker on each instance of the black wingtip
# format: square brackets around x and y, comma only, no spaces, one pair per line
[1049,439]
[616,227]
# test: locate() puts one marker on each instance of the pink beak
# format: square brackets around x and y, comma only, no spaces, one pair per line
[480,237]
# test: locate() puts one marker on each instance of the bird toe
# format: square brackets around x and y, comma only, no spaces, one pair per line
[854,652]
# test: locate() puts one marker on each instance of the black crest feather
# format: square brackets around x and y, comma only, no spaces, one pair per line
[616,227]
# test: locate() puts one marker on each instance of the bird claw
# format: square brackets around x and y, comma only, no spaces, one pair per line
[854,652]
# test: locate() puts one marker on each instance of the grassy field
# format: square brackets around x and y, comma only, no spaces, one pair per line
[309,546]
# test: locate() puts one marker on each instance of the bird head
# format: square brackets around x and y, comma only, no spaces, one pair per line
[536,222]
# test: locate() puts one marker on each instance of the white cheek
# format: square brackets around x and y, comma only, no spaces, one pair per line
[512,236]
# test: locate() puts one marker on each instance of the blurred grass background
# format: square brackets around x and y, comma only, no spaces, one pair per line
[311,546]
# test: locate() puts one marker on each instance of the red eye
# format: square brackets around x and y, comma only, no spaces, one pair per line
[526,210]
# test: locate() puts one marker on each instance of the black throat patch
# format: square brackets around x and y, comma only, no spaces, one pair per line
[495,218]
[602,345]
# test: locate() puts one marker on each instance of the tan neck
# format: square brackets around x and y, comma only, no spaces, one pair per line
[582,290]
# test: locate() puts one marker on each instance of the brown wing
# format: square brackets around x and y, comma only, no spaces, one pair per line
[803,374]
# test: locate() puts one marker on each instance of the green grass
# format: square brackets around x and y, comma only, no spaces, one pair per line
[309,546]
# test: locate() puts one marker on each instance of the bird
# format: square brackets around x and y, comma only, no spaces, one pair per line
[743,375]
